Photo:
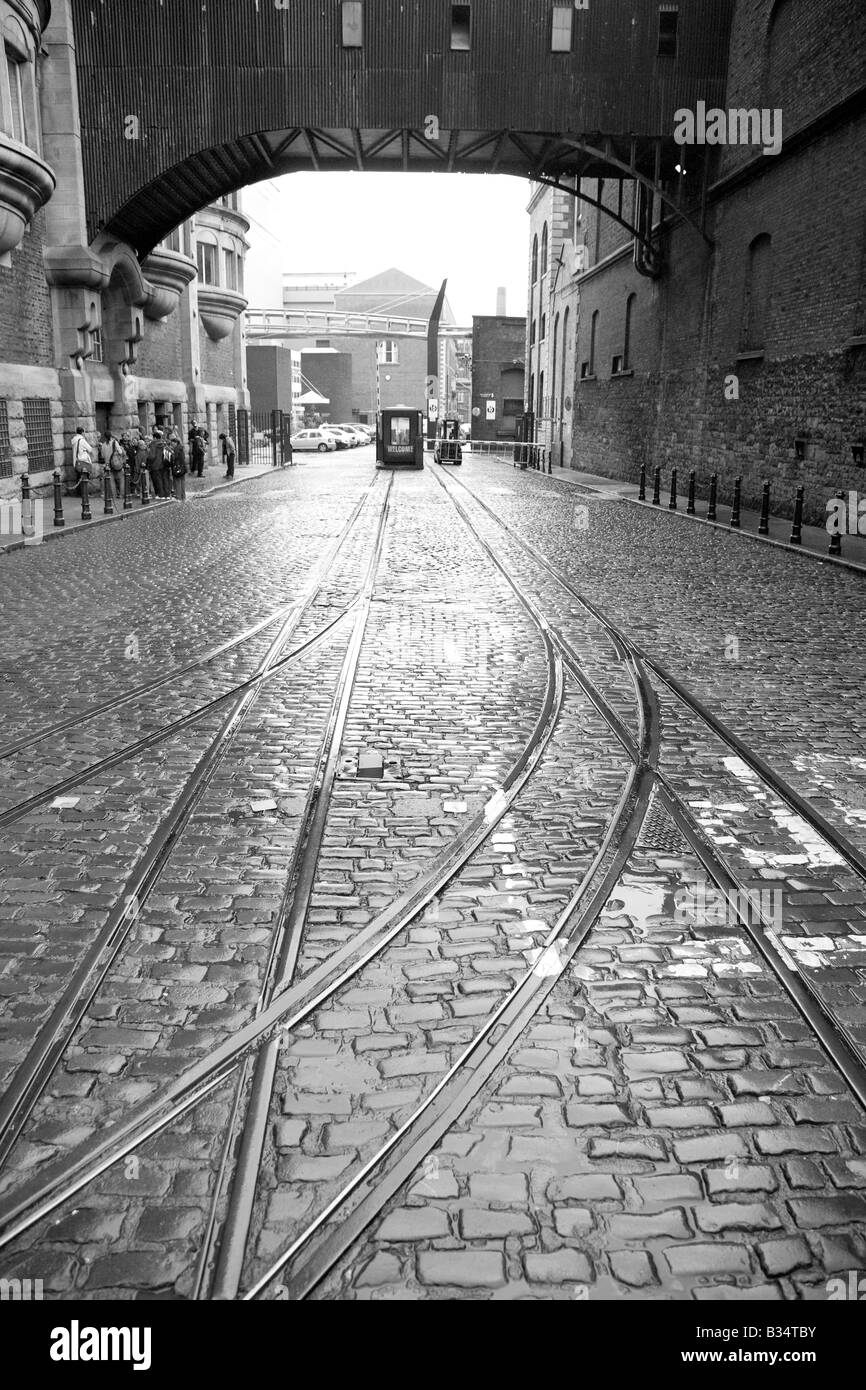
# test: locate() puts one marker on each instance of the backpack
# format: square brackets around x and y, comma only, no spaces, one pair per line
[178,466]
[118,457]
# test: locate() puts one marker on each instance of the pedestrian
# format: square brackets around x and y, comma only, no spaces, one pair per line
[229,452]
[156,464]
[82,457]
[113,457]
[141,449]
[178,467]
[197,452]
[130,449]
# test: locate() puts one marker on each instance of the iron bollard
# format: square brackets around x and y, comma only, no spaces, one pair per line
[550,462]
[797,528]
[836,540]
[714,488]
[107,490]
[735,509]
[690,509]
[25,487]
[657,488]
[672,505]
[641,496]
[127,488]
[764,525]
[145,495]
[58,499]
[85,497]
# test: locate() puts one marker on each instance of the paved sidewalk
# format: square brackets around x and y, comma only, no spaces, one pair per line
[213,481]
[816,540]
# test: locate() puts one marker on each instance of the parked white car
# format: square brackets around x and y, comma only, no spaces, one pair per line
[315,440]
[357,433]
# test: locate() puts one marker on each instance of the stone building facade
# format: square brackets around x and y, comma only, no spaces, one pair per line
[555,224]
[747,358]
[89,335]
[498,376]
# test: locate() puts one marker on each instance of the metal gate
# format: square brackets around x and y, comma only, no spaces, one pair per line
[269,437]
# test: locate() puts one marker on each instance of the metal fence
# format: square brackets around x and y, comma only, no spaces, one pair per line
[267,438]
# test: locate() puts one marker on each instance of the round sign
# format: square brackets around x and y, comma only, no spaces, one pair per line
[476,411]
[568,402]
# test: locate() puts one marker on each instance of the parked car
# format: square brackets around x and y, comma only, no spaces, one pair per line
[316,440]
[358,433]
[342,440]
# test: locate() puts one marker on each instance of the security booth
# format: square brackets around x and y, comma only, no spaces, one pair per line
[400,438]
[448,446]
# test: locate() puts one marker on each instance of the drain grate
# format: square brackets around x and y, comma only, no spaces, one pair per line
[659,832]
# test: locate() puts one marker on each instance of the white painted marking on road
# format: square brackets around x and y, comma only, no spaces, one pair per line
[495,806]
[65,803]
[263,805]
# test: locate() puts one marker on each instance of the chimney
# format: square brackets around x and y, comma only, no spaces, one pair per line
[500,303]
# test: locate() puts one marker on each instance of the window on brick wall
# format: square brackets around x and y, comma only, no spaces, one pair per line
[207,263]
[562,25]
[669,18]
[544,246]
[534,260]
[97,353]
[543,327]
[37,428]
[593,342]
[231,280]
[16,70]
[629,319]
[5,442]
[756,299]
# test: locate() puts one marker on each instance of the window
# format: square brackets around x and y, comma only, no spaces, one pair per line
[172,241]
[389,352]
[461,28]
[616,365]
[756,300]
[668,22]
[399,429]
[534,260]
[561,28]
[231,278]
[564,360]
[207,263]
[14,68]
[626,349]
[5,441]
[543,327]
[544,243]
[532,334]
[512,405]
[96,350]
[322,343]
[37,428]
[541,393]
[353,24]
[593,342]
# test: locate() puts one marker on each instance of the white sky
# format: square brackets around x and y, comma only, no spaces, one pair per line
[472,229]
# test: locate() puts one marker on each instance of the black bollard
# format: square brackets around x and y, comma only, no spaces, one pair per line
[127,488]
[550,462]
[735,509]
[25,487]
[85,497]
[107,489]
[672,505]
[641,496]
[690,509]
[797,528]
[836,540]
[764,525]
[58,499]
[714,487]
[657,488]
[145,496]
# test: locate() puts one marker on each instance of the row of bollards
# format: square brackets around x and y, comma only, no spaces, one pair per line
[796,537]
[108,507]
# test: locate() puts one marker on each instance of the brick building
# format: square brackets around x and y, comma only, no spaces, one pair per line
[90,334]
[498,375]
[750,358]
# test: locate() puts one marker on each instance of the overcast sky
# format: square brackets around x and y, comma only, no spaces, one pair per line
[469,228]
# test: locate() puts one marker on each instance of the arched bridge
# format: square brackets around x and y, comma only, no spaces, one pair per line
[183,101]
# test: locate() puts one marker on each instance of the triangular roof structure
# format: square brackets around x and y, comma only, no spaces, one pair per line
[391,293]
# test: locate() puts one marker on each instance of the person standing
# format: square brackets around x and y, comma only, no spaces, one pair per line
[140,458]
[82,457]
[156,464]
[197,452]
[113,457]
[229,452]
[178,467]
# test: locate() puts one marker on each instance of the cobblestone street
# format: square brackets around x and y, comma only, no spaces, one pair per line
[430,885]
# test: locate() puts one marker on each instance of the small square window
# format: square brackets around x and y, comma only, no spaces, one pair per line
[562,29]
[668,23]
[616,366]
[461,28]
[353,24]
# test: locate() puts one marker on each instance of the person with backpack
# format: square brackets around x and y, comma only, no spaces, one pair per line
[82,457]
[178,467]
[113,458]
[156,464]
[197,451]
[229,452]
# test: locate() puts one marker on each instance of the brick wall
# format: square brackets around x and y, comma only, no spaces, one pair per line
[217,359]
[25,303]
[160,352]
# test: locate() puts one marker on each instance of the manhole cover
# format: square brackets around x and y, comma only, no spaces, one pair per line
[659,832]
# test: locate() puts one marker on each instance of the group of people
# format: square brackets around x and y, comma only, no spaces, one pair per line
[161,455]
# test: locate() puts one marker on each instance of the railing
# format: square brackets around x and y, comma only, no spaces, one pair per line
[286,323]
[516,452]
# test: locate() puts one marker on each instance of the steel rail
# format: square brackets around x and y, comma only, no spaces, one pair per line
[38,1196]
[54,1036]
[289,926]
[131,750]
